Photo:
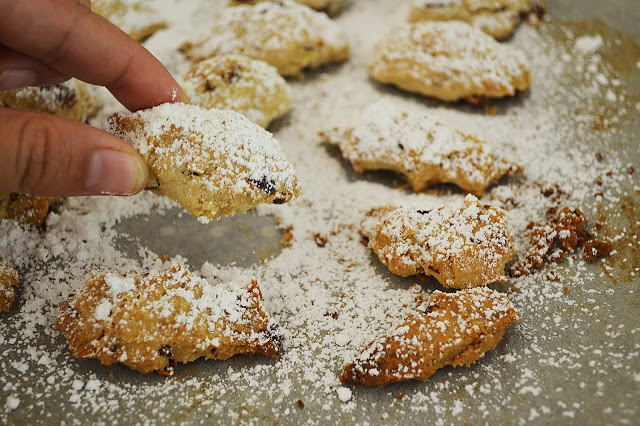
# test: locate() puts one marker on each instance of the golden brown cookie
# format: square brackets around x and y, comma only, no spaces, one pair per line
[285,34]
[26,209]
[421,149]
[8,283]
[135,17]
[72,99]
[212,162]
[151,321]
[452,329]
[330,7]
[464,244]
[497,18]
[248,86]
[450,61]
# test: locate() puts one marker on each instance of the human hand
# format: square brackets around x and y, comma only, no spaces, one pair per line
[46,42]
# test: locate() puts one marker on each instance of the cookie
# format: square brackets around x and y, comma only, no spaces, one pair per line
[330,7]
[26,209]
[212,162]
[498,18]
[462,245]
[135,17]
[419,148]
[450,61]
[72,99]
[248,86]
[285,34]
[149,322]
[452,329]
[8,283]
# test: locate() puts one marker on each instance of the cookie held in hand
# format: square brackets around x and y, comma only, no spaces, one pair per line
[212,162]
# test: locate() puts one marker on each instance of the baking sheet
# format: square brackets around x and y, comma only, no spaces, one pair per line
[572,357]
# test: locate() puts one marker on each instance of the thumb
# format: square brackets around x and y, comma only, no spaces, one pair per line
[42,154]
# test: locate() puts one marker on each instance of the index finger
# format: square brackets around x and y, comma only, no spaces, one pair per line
[68,37]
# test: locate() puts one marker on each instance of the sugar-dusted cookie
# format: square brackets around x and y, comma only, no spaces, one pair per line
[248,86]
[497,18]
[26,209]
[72,99]
[452,329]
[286,34]
[330,7]
[450,61]
[137,18]
[421,149]
[212,162]
[464,244]
[8,283]
[151,321]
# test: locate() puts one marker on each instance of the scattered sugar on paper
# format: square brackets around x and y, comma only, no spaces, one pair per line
[588,44]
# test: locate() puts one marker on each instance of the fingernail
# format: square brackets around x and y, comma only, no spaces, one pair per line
[15,79]
[116,173]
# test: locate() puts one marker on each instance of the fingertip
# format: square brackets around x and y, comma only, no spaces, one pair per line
[115,172]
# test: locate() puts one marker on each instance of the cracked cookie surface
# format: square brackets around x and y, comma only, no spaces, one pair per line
[239,83]
[498,18]
[462,245]
[285,34]
[419,148]
[149,322]
[450,61]
[330,7]
[135,17]
[452,329]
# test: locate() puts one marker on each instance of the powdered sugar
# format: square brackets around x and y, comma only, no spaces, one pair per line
[118,284]
[586,44]
[449,60]
[268,29]
[425,151]
[210,161]
[463,244]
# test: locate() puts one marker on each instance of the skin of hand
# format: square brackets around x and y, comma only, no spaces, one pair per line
[46,42]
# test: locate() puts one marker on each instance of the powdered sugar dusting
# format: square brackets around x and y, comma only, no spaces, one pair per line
[455,60]
[463,244]
[229,157]
[414,144]
[268,29]
[588,44]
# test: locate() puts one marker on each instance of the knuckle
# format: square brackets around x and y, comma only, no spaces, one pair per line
[36,166]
